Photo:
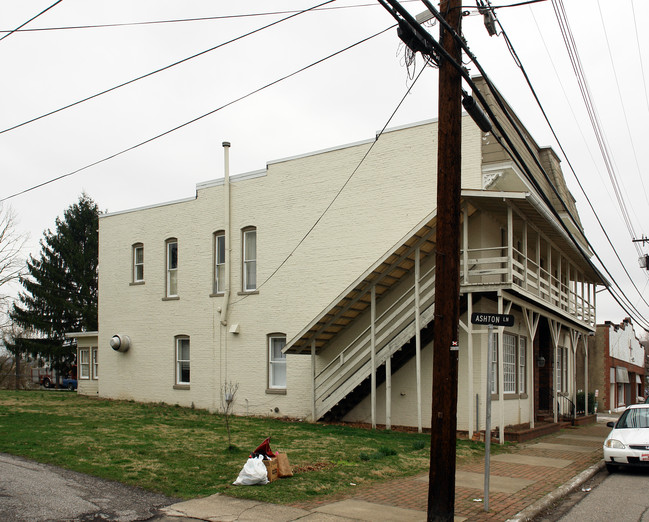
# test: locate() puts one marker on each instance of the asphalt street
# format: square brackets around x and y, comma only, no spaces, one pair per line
[30,491]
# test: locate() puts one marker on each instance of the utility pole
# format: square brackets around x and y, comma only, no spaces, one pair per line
[441,486]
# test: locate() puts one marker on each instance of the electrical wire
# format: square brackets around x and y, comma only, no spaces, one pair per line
[30,20]
[183,20]
[515,154]
[349,178]
[194,120]
[520,65]
[619,92]
[572,169]
[166,67]
[637,40]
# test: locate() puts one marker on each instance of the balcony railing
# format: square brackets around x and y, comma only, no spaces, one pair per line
[492,267]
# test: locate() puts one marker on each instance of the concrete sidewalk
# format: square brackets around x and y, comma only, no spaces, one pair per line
[522,484]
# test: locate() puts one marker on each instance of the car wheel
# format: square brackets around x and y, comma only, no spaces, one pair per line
[71,387]
[611,468]
[47,383]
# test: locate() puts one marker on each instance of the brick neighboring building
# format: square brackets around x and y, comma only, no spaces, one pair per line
[617,365]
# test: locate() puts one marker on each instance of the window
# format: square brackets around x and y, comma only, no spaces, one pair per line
[182,360]
[562,369]
[250,260]
[95,363]
[276,361]
[172,268]
[514,364]
[522,360]
[219,263]
[509,363]
[84,363]
[138,263]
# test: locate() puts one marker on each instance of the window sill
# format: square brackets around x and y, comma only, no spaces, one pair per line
[276,391]
[509,396]
[172,298]
[249,292]
[218,294]
[181,386]
[136,283]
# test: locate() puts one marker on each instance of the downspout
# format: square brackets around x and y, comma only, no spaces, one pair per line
[226,283]
[226,205]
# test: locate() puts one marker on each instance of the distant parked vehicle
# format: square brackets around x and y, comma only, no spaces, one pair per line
[47,378]
[70,384]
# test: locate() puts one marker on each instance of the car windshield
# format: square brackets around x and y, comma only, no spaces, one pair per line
[634,418]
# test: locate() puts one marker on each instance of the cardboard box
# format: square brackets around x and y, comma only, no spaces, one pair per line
[271,469]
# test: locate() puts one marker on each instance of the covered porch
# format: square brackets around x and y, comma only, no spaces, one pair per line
[378,333]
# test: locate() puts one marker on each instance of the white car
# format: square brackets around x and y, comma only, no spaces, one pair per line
[628,442]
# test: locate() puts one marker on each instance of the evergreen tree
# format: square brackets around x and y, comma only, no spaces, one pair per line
[61,285]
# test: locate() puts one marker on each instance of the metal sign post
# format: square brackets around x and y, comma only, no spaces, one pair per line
[487,430]
[490,320]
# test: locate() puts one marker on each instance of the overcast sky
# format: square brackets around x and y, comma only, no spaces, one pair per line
[344,99]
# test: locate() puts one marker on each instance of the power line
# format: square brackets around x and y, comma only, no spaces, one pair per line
[166,67]
[349,178]
[514,152]
[194,120]
[31,19]
[184,20]
[524,72]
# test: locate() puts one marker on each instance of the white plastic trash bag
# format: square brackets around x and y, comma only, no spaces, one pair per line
[253,472]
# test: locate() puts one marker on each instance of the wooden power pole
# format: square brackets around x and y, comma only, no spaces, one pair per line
[441,488]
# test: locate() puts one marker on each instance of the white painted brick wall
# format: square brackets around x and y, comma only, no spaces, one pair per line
[390,193]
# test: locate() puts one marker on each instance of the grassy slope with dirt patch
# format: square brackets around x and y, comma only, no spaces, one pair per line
[184,453]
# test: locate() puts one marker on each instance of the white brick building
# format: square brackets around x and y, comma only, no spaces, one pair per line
[314,241]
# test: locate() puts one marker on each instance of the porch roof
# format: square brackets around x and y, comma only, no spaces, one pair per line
[539,215]
[400,260]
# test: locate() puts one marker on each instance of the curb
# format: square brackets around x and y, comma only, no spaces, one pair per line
[543,503]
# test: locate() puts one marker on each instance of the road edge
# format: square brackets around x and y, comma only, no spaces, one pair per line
[542,504]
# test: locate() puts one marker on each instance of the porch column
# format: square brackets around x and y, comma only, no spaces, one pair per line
[465,243]
[555,331]
[501,376]
[469,331]
[574,342]
[525,258]
[510,246]
[418,338]
[532,323]
[388,393]
[373,354]
[313,418]
[585,339]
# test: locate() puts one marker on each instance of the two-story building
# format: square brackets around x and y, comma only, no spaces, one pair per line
[617,371]
[310,284]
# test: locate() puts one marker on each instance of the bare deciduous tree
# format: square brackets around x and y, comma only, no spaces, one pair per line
[11,263]
[228,395]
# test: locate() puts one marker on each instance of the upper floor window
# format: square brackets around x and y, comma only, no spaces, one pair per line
[219,263]
[138,263]
[249,259]
[172,267]
[276,361]
[182,360]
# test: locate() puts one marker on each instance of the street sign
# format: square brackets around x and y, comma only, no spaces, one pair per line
[493,319]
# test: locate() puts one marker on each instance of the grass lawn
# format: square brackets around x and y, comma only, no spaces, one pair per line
[184,453]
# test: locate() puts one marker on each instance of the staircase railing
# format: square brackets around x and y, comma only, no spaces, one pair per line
[393,328]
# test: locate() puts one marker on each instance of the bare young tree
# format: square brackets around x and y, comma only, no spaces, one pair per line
[11,263]
[228,395]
